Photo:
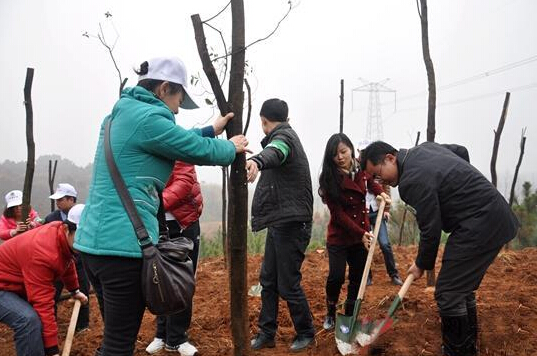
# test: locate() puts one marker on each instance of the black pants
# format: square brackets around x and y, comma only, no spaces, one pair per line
[83,314]
[459,278]
[338,258]
[117,283]
[280,277]
[384,243]
[172,329]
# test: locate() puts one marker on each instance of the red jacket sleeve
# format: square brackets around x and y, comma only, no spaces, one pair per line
[373,186]
[38,282]
[4,229]
[70,278]
[179,185]
[340,217]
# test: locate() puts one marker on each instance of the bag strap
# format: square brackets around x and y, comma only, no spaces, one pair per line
[121,188]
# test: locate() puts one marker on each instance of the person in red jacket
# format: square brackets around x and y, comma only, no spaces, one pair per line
[183,204]
[343,188]
[11,223]
[29,265]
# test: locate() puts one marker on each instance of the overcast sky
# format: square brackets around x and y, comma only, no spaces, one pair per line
[491,43]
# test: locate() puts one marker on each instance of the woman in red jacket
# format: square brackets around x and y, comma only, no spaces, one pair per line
[343,187]
[11,223]
[183,204]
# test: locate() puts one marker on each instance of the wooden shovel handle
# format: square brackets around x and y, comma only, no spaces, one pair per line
[71,330]
[406,285]
[367,267]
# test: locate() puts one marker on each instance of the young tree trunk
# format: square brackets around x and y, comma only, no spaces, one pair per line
[238,191]
[512,195]
[497,135]
[431,125]
[341,98]
[51,176]
[402,226]
[30,163]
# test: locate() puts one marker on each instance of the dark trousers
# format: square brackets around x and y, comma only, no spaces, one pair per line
[338,258]
[172,329]
[117,283]
[458,279]
[384,243]
[280,277]
[83,314]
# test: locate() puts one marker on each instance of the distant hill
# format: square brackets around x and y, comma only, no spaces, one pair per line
[12,177]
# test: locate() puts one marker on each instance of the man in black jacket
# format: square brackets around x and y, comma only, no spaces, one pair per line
[448,194]
[283,203]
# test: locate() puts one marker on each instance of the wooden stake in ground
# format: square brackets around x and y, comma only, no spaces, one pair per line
[30,162]
[341,98]
[71,329]
[497,135]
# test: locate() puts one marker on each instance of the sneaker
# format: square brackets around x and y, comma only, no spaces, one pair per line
[155,346]
[396,280]
[261,341]
[185,349]
[369,281]
[81,329]
[301,342]
[329,322]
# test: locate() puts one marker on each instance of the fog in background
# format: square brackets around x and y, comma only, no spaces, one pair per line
[480,49]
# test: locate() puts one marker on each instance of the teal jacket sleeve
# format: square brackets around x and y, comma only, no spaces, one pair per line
[162,137]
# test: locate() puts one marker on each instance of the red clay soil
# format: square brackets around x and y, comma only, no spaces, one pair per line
[507,302]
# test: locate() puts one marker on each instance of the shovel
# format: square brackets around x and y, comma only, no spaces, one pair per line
[71,329]
[371,330]
[346,325]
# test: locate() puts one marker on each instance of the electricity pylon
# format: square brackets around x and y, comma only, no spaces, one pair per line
[374,129]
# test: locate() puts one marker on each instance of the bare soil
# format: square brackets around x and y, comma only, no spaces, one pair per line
[507,305]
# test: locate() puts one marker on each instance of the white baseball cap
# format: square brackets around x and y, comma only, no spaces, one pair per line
[75,213]
[64,189]
[13,198]
[170,69]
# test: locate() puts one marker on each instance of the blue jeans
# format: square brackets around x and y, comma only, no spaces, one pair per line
[384,243]
[19,315]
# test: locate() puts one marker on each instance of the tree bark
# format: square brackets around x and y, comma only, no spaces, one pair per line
[30,163]
[431,125]
[225,245]
[341,98]
[402,226]
[497,135]
[238,191]
[51,176]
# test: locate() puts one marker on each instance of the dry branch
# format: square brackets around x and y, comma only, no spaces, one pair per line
[497,135]
[30,162]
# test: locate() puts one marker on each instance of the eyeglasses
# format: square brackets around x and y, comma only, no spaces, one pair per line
[378,175]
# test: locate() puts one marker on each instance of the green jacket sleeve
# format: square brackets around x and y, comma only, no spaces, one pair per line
[162,137]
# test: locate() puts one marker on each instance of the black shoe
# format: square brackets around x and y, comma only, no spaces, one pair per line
[261,341]
[396,280]
[329,322]
[301,342]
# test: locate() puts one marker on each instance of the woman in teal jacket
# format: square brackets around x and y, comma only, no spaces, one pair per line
[145,143]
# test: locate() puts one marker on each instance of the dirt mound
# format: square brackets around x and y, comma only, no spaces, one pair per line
[507,302]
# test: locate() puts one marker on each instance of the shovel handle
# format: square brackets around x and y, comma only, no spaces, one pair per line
[71,330]
[367,267]
[406,285]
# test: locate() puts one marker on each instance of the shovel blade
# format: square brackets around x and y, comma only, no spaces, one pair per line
[370,331]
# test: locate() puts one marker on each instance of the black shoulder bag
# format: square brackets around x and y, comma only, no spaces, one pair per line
[167,272]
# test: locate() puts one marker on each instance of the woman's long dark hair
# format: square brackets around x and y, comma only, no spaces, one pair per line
[330,178]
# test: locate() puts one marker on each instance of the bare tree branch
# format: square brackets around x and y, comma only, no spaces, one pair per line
[260,39]
[522,145]
[497,135]
[225,50]
[219,12]
[249,106]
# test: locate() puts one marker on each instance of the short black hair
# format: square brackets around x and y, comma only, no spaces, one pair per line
[375,153]
[275,110]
